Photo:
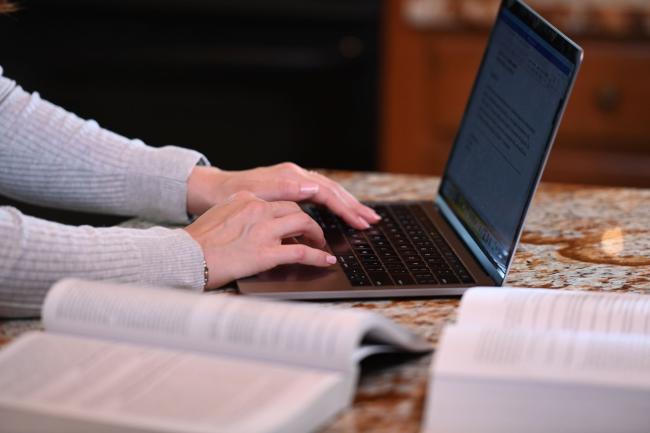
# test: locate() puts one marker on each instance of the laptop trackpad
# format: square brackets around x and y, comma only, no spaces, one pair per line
[293,273]
[295,279]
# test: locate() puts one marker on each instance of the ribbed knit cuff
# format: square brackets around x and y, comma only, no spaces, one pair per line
[6,86]
[169,258]
[157,182]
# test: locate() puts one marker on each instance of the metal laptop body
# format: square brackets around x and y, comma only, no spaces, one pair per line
[479,212]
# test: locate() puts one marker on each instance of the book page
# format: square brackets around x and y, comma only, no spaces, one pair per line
[297,333]
[560,356]
[492,380]
[545,309]
[46,379]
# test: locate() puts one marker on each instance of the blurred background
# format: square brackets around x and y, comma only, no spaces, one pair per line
[247,82]
[348,84]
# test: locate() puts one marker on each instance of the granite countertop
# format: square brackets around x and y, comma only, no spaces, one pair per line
[585,238]
[606,18]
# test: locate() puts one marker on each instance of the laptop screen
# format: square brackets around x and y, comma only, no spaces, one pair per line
[507,129]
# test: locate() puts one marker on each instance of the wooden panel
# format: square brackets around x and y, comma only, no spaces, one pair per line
[610,105]
[423,107]
[406,129]
[605,134]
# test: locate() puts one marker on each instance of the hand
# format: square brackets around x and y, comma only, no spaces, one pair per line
[244,235]
[208,186]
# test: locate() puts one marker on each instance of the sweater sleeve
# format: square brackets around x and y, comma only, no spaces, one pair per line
[35,253]
[51,157]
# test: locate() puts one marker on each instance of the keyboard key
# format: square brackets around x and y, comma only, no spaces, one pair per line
[352,271]
[448,278]
[418,269]
[426,280]
[403,279]
[380,279]
[360,283]
[396,270]
[337,242]
[380,255]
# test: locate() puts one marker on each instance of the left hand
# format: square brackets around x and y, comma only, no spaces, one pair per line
[208,186]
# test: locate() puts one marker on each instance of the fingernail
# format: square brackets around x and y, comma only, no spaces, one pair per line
[330,259]
[364,223]
[375,215]
[309,188]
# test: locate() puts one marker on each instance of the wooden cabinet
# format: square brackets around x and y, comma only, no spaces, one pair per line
[604,137]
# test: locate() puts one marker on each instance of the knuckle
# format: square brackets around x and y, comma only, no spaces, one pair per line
[303,219]
[299,252]
[288,206]
[255,207]
[295,207]
[326,180]
[289,167]
[242,196]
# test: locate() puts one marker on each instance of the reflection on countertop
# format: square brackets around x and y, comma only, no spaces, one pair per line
[578,237]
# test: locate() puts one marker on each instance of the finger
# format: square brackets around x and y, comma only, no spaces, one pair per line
[329,197]
[302,254]
[364,211]
[284,208]
[287,189]
[297,224]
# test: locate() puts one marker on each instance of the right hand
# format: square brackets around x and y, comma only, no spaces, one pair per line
[244,236]
[208,186]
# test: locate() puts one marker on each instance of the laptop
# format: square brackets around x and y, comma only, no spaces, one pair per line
[468,235]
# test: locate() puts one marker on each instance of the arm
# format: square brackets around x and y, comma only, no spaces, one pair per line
[239,238]
[51,157]
[35,253]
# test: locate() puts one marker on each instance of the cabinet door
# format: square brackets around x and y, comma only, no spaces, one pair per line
[604,137]
[605,134]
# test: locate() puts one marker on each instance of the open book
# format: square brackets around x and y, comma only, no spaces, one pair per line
[131,359]
[536,360]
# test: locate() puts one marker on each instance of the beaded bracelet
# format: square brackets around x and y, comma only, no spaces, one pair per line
[205,275]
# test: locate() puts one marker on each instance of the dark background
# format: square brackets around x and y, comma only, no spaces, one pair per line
[247,83]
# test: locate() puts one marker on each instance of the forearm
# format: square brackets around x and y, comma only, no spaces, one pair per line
[36,253]
[51,157]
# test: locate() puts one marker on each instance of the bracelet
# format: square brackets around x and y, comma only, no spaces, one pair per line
[205,275]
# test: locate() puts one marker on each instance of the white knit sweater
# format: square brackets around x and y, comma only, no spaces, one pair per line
[51,157]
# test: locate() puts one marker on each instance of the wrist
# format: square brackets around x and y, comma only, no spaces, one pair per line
[203,186]
[211,279]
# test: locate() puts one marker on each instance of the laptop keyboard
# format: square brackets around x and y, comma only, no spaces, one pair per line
[404,248]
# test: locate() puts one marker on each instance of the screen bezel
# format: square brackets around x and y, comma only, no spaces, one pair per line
[574,54]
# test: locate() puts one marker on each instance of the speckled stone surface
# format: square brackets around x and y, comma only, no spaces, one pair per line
[609,18]
[576,237]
